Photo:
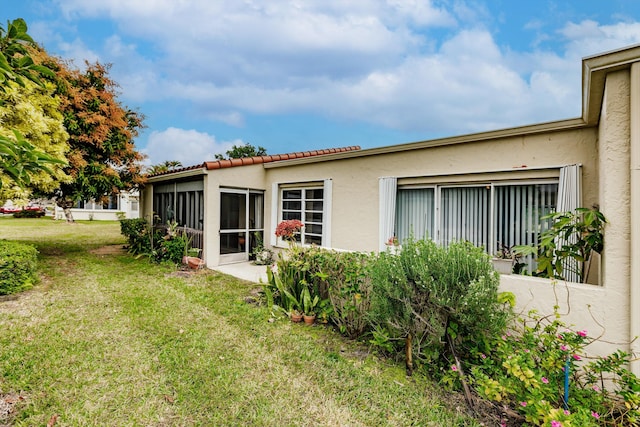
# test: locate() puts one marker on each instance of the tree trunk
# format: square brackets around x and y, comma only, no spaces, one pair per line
[68,215]
[408,355]
[66,206]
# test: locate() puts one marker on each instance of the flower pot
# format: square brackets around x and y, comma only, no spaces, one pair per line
[194,262]
[296,317]
[503,266]
[309,320]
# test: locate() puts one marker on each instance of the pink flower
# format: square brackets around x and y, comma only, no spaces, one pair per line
[564,347]
[454,368]
[596,388]
[560,337]
[595,415]
[566,412]
[582,333]
[523,404]
[483,356]
[286,229]
[555,423]
[545,380]
[576,357]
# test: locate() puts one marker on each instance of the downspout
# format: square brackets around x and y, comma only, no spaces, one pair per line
[634,218]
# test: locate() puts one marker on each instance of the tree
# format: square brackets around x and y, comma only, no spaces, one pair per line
[15,61]
[240,151]
[21,161]
[102,159]
[34,140]
[165,166]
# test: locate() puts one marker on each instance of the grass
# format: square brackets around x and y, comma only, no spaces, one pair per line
[107,340]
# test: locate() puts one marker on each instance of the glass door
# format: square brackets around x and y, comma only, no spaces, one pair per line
[241,223]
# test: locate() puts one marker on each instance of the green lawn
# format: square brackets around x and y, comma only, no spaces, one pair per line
[108,340]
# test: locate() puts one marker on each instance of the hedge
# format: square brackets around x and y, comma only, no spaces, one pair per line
[18,263]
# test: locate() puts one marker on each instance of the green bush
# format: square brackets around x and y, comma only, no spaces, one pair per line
[525,369]
[29,213]
[157,244]
[18,263]
[338,279]
[173,248]
[433,303]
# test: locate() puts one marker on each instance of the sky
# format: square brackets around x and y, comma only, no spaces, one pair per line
[297,75]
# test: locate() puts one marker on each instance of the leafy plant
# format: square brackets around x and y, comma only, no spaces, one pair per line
[434,302]
[529,367]
[29,213]
[568,245]
[18,263]
[309,303]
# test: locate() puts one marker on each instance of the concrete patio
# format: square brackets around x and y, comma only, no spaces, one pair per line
[245,270]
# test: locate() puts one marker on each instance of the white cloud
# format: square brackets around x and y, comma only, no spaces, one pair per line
[189,147]
[364,60]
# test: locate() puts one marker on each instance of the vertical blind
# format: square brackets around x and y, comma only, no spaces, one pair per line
[465,215]
[518,214]
[415,213]
[483,215]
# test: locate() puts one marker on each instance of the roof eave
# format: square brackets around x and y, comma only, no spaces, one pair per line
[177,174]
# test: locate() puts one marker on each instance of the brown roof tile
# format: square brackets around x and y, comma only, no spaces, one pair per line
[229,163]
[221,164]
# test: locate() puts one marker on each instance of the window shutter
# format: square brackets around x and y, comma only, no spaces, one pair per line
[388,189]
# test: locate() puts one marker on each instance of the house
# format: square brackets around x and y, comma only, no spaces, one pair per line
[124,203]
[486,187]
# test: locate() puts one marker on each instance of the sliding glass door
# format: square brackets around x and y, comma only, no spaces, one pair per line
[241,223]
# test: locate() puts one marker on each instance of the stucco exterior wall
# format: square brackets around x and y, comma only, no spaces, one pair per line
[355,203]
[614,161]
[246,177]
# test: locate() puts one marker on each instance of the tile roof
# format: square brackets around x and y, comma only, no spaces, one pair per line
[222,164]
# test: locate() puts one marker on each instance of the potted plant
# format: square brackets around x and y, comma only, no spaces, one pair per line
[309,305]
[504,259]
[262,255]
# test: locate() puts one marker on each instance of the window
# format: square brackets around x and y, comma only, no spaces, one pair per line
[111,201]
[481,214]
[415,215]
[182,202]
[306,205]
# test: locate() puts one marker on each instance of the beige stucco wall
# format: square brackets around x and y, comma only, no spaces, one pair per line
[614,161]
[246,177]
[634,213]
[605,311]
[355,203]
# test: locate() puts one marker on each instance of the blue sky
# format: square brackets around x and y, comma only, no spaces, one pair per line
[294,75]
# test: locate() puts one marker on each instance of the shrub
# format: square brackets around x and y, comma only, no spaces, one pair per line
[339,279]
[435,302]
[173,248]
[342,279]
[29,213]
[527,368]
[157,244]
[17,267]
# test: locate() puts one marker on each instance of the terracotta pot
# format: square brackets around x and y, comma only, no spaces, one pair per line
[194,262]
[309,320]
[296,317]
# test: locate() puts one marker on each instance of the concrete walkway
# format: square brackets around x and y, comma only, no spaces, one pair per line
[245,270]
